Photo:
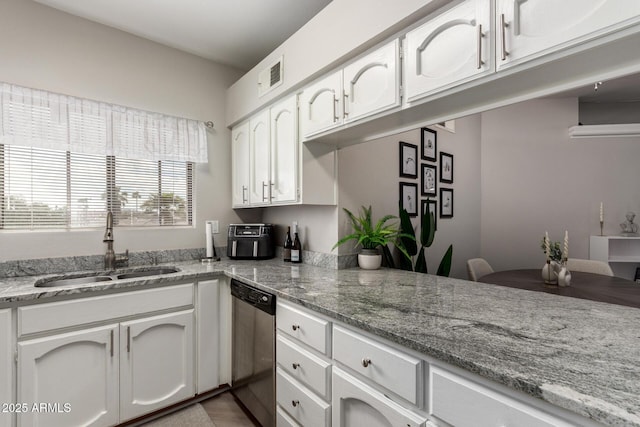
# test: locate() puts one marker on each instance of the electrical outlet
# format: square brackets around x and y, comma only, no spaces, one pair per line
[214,227]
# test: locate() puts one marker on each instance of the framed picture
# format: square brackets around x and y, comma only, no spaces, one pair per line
[428,179]
[446,168]
[409,197]
[429,140]
[408,160]
[446,203]
[430,206]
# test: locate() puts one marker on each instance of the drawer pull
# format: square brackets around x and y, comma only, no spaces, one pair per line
[295,327]
[295,403]
[366,362]
[295,365]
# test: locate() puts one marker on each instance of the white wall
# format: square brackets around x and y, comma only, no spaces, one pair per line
[43,48]
[317,225]
[536,179]
[369,175]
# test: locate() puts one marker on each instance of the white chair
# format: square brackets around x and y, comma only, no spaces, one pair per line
[589,266]
[478,267]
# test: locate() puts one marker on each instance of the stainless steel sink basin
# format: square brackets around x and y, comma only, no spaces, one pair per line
[149,272]
[52,282]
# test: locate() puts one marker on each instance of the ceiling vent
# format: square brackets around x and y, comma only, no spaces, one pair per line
[270,78]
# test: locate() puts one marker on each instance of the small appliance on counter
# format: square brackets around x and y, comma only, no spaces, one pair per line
[251,241]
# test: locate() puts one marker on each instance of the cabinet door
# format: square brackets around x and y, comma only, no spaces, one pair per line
[450,49]
[259,149]
[208,334]
[76,372]
[156,363]
[240,165]
[320,106]
[284,151]
[527,29]
[6,356]
[372,83]
[357,404]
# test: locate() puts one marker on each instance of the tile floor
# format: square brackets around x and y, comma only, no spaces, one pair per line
[224,411]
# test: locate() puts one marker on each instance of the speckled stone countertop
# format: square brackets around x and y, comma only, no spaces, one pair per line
[577,354]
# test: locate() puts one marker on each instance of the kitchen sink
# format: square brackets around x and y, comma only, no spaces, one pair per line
[52,282]
[96,277]
[149,272]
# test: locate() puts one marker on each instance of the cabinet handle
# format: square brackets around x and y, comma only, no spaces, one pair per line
[295,327]
[271,185]
[366,362]
[295,403]
[295,365]
[112,343]
[335,109]
[503,44]
[480,36]
[244,191]
[128,339]
[345,96]
[264,198]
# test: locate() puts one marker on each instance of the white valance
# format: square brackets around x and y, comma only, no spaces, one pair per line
[37,118]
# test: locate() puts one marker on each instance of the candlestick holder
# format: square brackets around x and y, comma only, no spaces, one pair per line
[601,226]
[564,275]
[549,274]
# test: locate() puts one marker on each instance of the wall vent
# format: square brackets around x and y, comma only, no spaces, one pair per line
[270,77]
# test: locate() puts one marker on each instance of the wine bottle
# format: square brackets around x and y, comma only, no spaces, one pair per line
[288,244]
[296,249]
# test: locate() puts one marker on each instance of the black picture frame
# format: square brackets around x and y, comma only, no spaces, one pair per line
[409,197]
[430,206]
[429,144]
[446,202]
[446,167]
[428,180]
[408,160]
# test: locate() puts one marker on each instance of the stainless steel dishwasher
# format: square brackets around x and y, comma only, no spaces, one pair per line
[253,352]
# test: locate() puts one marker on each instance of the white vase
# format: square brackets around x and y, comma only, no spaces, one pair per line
[564,276]
[369,259]
[550,273]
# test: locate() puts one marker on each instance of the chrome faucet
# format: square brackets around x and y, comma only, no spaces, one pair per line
[110,259]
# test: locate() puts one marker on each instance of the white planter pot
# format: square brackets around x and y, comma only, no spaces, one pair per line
[369,259]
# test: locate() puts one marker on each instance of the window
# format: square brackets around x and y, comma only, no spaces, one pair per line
[65,162]
[49,189]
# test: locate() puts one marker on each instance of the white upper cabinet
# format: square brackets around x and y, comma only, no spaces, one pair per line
[240,156]
[283,179]
[259,152]
[371,84]
[449,49]
[529,28]
[321,106]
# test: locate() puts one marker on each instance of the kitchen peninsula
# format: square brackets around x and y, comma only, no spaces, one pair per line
[578,355]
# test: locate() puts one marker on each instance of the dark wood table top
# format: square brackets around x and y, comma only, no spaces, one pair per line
[595,287]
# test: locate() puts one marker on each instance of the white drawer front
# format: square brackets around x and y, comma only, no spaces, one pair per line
[63,314]
[300,403]
[304,366]
[283,419]
[392,369]
[463,403]
[305,327]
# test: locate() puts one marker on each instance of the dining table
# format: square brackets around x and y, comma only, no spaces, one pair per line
[595,287]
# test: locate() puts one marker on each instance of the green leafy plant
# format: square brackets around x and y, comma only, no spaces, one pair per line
[555,253]
[427,234]
[371,236]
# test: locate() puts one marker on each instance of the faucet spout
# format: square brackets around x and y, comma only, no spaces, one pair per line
[108,233]
[110,255]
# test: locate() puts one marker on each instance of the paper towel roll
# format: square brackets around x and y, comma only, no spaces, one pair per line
[209,239]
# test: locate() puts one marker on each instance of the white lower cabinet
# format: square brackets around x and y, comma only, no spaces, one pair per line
[156,363]
[74,375]
[302,404]
[357,404]
[6,365]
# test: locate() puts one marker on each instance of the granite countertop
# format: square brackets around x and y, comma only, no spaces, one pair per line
[577,354]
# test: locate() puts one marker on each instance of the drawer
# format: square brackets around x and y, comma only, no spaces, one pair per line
[64,314]
[307,328]
[283,419]
[392,369]
[461,402]
[300,403]
[304,366]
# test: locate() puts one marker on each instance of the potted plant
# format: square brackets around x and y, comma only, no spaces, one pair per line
[370,237]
